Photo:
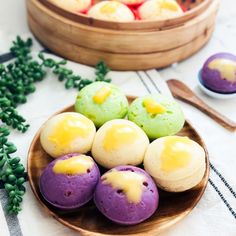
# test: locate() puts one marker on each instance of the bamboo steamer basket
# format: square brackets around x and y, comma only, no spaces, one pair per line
[135,45]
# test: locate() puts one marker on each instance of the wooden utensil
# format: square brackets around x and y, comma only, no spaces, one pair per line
[184,93]
[90,222]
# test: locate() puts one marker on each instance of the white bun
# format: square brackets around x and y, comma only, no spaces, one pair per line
[79,143]
[111,11]
[131,153]
[181,178]
[72,5]
[154,10]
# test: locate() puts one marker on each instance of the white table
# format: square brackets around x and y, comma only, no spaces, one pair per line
[211,216]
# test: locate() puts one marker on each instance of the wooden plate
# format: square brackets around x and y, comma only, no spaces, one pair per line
[90,222]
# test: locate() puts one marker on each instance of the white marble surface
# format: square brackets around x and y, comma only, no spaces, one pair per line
[210,217]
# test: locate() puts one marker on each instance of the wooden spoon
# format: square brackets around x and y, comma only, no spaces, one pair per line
[184,93]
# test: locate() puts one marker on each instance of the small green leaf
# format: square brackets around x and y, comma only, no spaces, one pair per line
[12,178]
[9,187]
[19,170]
[11,149]
[14,161]
[20,181]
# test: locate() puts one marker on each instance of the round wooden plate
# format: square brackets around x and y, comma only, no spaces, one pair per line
[90,222]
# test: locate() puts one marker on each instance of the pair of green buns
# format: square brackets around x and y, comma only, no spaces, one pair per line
[157,115]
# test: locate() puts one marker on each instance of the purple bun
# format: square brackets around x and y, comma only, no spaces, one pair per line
[68,192]
[212,79]
[114,204]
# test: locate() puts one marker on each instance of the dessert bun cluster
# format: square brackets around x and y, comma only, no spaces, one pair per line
[118,155]
[123,10]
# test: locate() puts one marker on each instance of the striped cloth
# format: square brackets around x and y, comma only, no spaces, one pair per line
[214,215]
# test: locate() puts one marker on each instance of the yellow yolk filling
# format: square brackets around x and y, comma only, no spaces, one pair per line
[68,129]
[170,5]
[74,165]
[153,107]
[102,94]
[226,67]
[118,135]
[109,8]
[130,183]
[175,154]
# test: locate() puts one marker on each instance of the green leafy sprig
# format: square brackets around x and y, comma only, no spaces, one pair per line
[17,81]
[12,172]
[70,79]
[101,71]
[18,78]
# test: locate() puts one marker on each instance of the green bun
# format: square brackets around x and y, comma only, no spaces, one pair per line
[115,105]
[157,125]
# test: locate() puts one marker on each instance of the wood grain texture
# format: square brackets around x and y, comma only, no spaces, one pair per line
[118,61]
[184,93]
[150,47]
[90,222]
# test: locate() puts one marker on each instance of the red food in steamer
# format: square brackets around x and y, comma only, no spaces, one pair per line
[136,14]
[133,5]
[184,8]
[86,10]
